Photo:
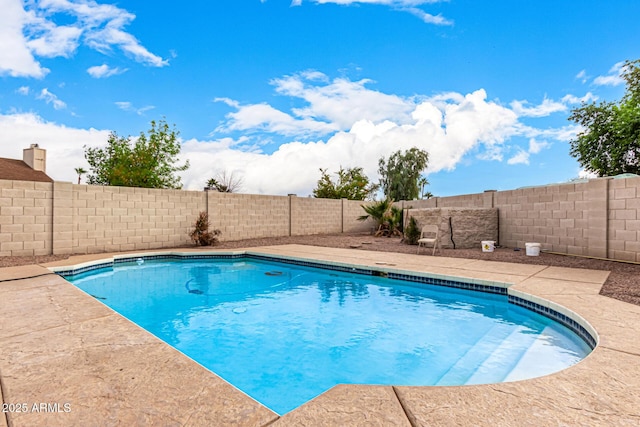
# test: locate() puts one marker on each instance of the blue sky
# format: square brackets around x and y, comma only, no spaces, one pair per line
[273,90]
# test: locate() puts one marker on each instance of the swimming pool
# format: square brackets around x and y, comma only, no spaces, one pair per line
[284,333]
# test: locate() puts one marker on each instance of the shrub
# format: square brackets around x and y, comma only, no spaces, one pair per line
[201,235]
[412,232]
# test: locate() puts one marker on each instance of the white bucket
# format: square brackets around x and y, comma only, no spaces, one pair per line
[488,245]
[533,249]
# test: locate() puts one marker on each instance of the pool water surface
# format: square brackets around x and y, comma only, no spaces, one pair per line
[283,333]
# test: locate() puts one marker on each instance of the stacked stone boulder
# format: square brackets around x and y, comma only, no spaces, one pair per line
[461,228]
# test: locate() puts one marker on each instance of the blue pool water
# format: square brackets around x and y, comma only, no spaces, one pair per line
[284,334]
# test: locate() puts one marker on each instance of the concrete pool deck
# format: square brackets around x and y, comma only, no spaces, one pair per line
[66,360]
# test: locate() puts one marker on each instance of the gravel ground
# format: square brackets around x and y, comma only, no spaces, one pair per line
[623,282]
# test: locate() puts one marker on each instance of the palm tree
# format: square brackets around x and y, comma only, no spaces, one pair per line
[80,172]
[422,181]
[386,216]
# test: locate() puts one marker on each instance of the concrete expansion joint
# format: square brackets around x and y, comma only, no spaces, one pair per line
[546,267]
[404,409]
[29,277]
[273,421]
[531,276]
[630,353]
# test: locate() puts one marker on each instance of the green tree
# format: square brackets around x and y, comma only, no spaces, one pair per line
[400,174]
[149,162]
[352,184]
[609,143]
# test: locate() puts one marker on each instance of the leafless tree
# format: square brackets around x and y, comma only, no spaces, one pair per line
[226,182]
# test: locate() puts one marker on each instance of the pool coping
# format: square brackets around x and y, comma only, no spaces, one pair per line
[600,389]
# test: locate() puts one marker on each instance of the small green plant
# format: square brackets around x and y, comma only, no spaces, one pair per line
[201,235]
[412,233]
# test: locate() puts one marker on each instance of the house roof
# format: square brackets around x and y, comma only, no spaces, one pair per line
[18,170]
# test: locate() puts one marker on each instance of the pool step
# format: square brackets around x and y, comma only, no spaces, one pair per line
[533,360]
[503,359]
[467,365]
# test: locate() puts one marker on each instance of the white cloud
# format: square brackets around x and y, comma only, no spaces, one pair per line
[521,158]
[31,29]
[50,98]
[16,58]
[64,145]
[230,102]
[330,106]
[549,106]
[104,39]
[546,108]
[128,106]
[611,79]
[125,105]
[608,81]
[265,118]
[342,101]
[582,76]
[427,18]
[411,6]
[535,147]
[49,40]
[104,71]
[584,174]
[23,90]
[293,168]
[449,126]
[572,99]
[563,134]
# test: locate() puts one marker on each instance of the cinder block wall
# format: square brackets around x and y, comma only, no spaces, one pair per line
[315,216]
[555,216]
[600,217]
[26,211]
[97,219]
[64,218]
[481,200]
[623,225]
[243,216]
[351,210]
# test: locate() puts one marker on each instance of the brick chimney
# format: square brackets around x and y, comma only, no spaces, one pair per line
[35,157]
